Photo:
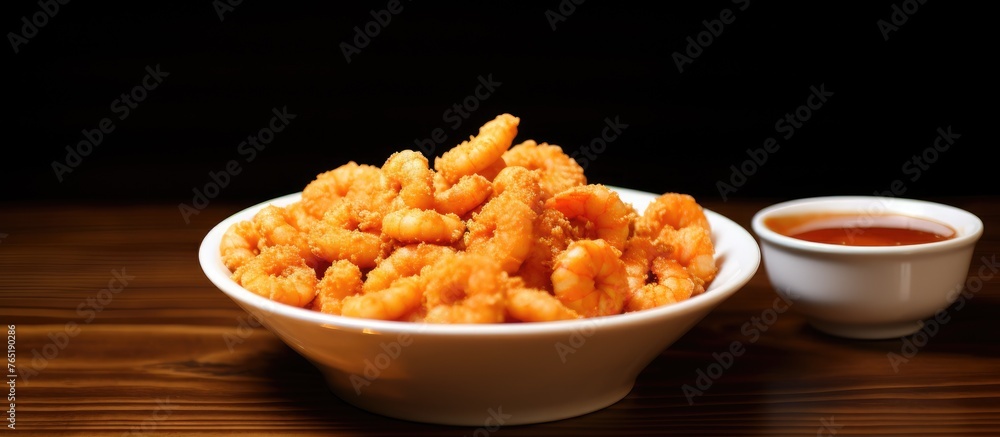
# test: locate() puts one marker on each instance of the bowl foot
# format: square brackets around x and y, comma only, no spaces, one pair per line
[879,331]
[472,412]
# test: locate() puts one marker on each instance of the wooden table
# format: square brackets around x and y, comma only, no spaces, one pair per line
[118,332]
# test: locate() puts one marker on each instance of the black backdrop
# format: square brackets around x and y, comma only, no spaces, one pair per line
[697,125]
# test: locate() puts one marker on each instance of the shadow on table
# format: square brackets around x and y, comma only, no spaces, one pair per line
[723,373]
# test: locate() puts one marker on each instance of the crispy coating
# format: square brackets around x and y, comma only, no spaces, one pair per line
[480,152]
[590,278]
[464,288]
[279,273]
[600,207]
[558,171]
[492,233]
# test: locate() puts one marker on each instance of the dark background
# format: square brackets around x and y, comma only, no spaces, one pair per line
[606,60]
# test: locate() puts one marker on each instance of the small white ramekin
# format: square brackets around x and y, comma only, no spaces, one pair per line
[868,292]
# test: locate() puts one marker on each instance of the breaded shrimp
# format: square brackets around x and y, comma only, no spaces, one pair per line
[340,280]
[392,303]
[299,217]
[404,261]
[412,225]
[521,184]
[589,277]
[673,210]
[598,205]
[558,170]
[638,258]
[274,228]
[502,230]
[693,249]
[407,173]
[493,170]
[279,273]
[239,244]
[525,304]
[479,152]
[673,284]
[552,234]
[464,288]
[349,178]
[337,237]
[469,192]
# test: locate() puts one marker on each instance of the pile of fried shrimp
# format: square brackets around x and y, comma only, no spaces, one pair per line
[493,232]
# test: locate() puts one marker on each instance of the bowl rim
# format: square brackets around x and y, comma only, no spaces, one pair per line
[972,224]
[218,274]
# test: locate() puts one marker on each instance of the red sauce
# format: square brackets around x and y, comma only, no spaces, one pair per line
[861,230]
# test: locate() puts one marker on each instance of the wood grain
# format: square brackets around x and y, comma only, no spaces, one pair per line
[155,358]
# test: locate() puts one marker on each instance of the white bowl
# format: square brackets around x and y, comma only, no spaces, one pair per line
[868,292]
[487,374]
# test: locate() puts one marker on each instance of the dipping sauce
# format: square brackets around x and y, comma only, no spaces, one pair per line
[860,229]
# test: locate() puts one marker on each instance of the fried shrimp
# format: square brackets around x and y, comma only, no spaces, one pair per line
[501,230]
[392,303]
[464,288]
[493,170]
[331,185]
[239,244]
[340,280]
[589,277]
[525,304]
[638,258]
[521,184]
[558,170]
[407,173]
[479,152]
[272,223]
[552,234]
[337,237]
[693,249]
[600,207]
[673,284]
[493,232]
[673,210]
[404,261]
[412,225]
[465,195]
[279,273]
[299,217]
